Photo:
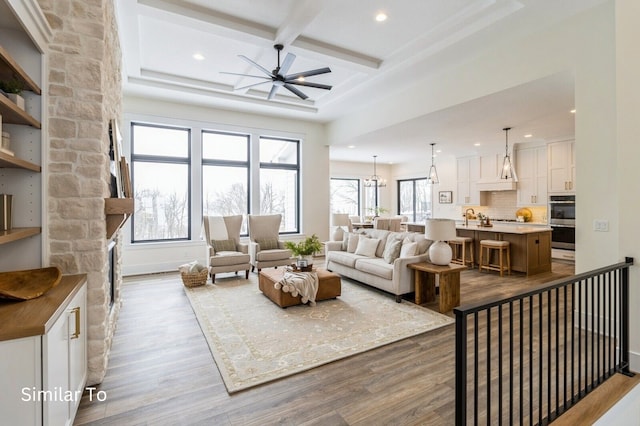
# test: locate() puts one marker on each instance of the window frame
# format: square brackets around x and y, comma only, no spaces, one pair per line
[413,198]
[147,158]
[283,166]
[359,201]
[227,163]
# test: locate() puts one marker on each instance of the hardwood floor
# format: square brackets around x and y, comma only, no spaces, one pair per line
[161,371]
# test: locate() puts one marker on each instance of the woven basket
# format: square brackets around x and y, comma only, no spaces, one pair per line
[195,279]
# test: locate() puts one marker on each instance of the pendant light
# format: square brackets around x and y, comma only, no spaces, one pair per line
[507,172]
[375,181]
[433,173]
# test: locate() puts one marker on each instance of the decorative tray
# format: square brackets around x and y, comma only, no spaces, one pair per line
[28,284]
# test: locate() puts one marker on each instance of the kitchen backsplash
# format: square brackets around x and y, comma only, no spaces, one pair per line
[503,205]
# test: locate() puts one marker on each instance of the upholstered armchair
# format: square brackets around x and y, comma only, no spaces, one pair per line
[226,253]
[265,249]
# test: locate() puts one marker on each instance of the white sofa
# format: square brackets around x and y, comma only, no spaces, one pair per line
[375,271]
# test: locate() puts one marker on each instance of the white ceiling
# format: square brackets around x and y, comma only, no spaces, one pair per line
[159,38]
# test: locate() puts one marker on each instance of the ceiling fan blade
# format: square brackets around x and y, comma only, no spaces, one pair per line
[251,85]
[245,75]
[286,64]
[273,91]
[310,84]
[307,73]
[260,67]
[295,91]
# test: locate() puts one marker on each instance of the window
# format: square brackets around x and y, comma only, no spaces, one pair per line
[280,181]
[414,199]
[225,174]
[345,196]
[160,172]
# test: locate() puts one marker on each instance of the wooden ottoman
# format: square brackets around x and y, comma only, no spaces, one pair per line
[329,286]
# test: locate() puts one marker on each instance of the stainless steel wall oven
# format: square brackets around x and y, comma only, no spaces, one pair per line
[562,219]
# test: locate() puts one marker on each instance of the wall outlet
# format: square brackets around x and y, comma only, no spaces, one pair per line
[601,225]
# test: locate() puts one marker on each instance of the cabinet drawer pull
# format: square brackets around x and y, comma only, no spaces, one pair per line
[76,312]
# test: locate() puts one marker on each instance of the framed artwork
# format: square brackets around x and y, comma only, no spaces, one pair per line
[115,155]
[445,197]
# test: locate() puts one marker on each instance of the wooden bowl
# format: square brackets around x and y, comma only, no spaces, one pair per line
[29,284]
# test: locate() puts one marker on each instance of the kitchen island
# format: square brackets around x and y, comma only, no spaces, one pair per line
[530,245]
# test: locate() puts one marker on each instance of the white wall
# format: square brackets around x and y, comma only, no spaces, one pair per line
[156,257]
[628,154]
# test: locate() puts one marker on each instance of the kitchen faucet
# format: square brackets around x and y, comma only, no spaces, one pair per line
[466,216]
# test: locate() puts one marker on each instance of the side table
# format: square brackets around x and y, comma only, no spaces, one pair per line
[449,283]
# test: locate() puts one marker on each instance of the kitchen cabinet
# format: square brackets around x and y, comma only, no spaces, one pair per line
[22,59]
[468,174]
[531,167]
[46,340]
[561,171]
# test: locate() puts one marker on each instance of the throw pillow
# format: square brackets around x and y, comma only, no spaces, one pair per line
[367,247]
[423,246]
[223,245]
[408,249]
[352,244]
[392,250]
[268,243]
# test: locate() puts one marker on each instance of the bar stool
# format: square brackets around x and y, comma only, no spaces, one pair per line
[459,248]
[502,247]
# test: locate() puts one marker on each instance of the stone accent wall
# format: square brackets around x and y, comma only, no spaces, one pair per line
[84,93]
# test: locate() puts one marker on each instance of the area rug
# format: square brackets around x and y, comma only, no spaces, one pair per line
[253,341]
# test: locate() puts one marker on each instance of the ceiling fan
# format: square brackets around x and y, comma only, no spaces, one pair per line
[279,77]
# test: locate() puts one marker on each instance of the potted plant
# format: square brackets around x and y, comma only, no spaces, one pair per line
[304,250]
[13,89]
[377,211]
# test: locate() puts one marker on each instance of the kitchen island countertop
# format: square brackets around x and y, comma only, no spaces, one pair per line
[506,229]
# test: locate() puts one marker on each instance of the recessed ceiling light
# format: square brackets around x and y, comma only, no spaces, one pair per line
[198,56]
[476,144]
[573,111]
[381,17]
[528,136]
[351,146]
[301,79]
[438,151]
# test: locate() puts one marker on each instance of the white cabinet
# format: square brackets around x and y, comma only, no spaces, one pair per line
[468,174]
[489,167]
[531,167]
[44,346]
[64,361]
[20,377]
[561,171]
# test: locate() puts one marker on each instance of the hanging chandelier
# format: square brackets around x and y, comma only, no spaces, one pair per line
[374,179]
[433,173]
[507,171]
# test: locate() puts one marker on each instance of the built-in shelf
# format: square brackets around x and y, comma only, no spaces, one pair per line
[9,161]
[16,234]
[11,114]
[117,210]
[10,69]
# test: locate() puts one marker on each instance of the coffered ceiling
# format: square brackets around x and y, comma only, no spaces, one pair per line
[160,38]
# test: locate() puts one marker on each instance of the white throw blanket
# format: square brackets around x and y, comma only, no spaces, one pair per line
[304,284]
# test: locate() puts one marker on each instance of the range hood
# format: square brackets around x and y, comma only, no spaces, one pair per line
[496,185]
